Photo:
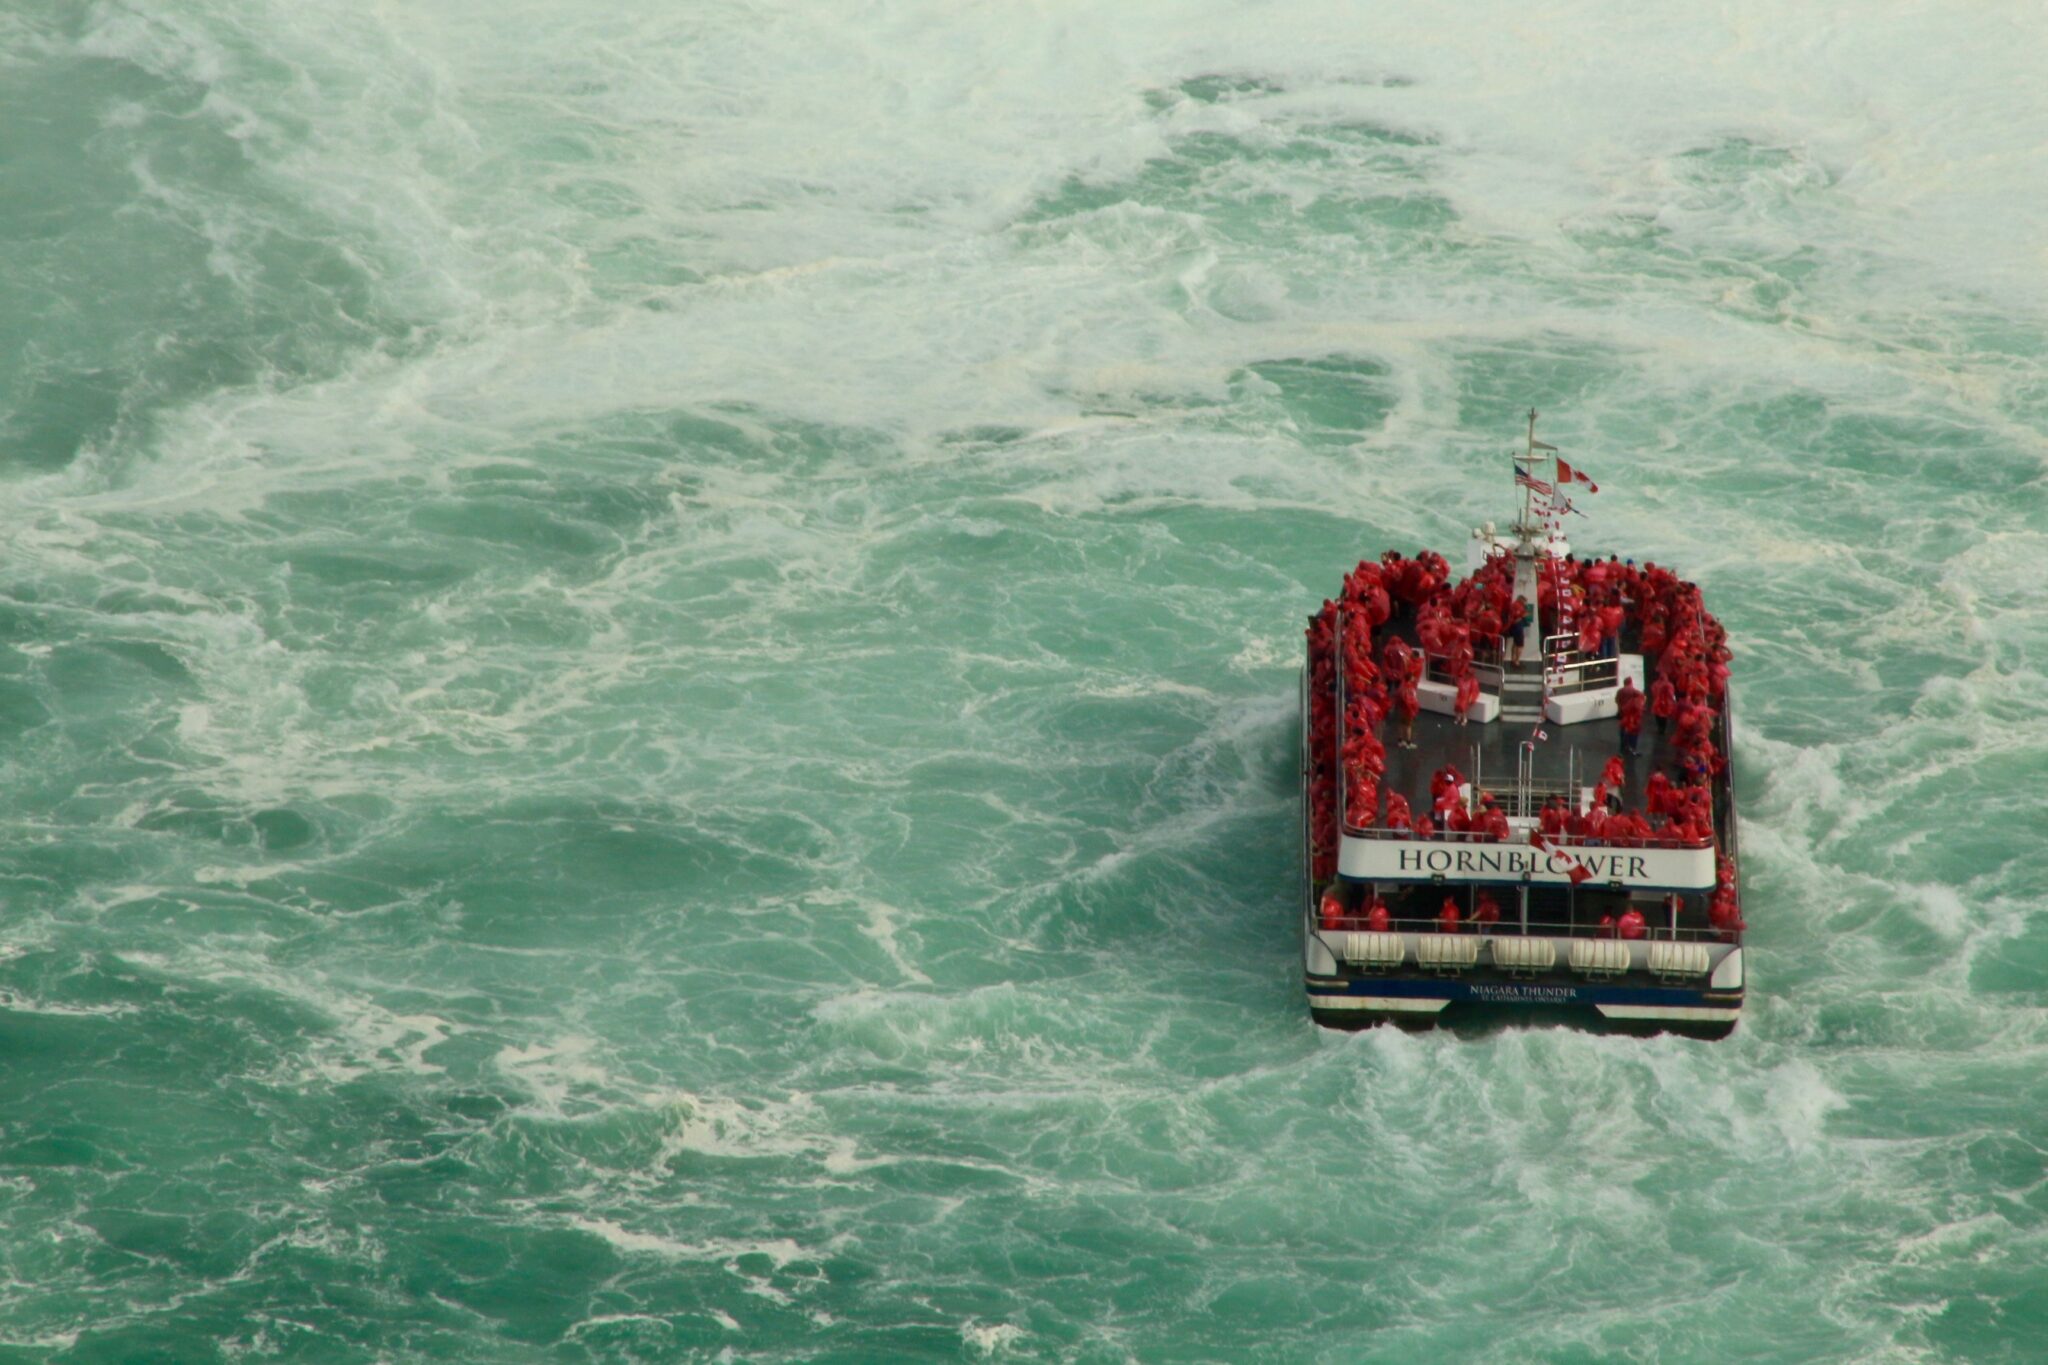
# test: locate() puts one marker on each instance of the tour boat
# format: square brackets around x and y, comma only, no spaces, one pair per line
[1543,827]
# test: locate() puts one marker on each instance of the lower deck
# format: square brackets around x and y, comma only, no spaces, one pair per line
[1412,975]
[1558,911]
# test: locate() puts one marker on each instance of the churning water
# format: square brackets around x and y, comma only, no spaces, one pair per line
[647,663]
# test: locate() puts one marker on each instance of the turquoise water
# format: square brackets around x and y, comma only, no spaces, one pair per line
[647,662]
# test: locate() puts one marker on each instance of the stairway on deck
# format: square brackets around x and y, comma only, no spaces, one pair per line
[1521,692]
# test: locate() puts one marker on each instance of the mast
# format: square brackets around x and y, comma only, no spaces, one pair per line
[1535,522]
[1533,531]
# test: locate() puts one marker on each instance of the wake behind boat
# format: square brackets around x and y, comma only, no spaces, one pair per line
[1517,790]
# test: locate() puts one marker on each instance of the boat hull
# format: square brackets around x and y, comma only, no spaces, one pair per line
[1364,1002]
[1624,992]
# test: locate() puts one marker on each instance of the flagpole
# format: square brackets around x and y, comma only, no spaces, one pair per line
[1536,536]
[1528,493]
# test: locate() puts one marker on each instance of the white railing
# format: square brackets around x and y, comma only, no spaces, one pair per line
[1451,836]
[1491,676]
[1584,675]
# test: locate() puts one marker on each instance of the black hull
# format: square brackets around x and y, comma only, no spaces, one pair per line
[1472,1021]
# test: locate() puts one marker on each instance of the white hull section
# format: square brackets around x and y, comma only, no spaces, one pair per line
[1676,1014]
[1387,1004]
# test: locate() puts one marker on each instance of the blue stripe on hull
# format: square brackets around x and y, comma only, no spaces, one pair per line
[1521,992]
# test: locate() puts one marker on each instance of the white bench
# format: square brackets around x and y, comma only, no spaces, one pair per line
[1442,698]
[1599,956]
[1523,956]
[1446,952]
[1364,948]
[1678,959]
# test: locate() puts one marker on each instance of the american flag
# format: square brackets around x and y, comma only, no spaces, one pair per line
[1524,479]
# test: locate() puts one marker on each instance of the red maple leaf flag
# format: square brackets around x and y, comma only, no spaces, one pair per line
[1574,869]
[1566,474]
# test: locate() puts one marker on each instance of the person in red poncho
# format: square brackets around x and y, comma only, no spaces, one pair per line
[1448,917]
[1487,911]
[1331,911]
[1364,751]
[1663,702]
[1658,794]
[1407,702]
[1456,818]
[1398,816]
[1376,917]
[1378,606]
[1418,583]
[1493,821]
[1653,636]
[1631,924]
[1486,626]
[1468,693]
[1628,704]
[1458,659]
[1724,915]
[1394,658]
[1361,800]
[1610,630]
[1433,629]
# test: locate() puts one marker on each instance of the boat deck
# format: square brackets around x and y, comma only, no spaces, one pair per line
[1570,756]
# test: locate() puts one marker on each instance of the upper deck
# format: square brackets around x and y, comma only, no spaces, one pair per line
[1504,762]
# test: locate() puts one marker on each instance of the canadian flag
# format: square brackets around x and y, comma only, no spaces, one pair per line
[1574,869]
[1566,474]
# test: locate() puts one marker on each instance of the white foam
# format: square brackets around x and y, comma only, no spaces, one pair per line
[1964,1236]
[835,249]
[731,1253]
[26,1004]
[987,1339]
[554,1073]
[366,1035]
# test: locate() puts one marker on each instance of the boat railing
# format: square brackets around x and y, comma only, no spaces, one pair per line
[1343,727]
[1491,675]
[1724,818]
[1582,675]
[1308,758]
[1527,799]
[1452,836]
[1506,927]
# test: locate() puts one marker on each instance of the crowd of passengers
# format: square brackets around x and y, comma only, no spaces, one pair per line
[1373,915]
[1600,601]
